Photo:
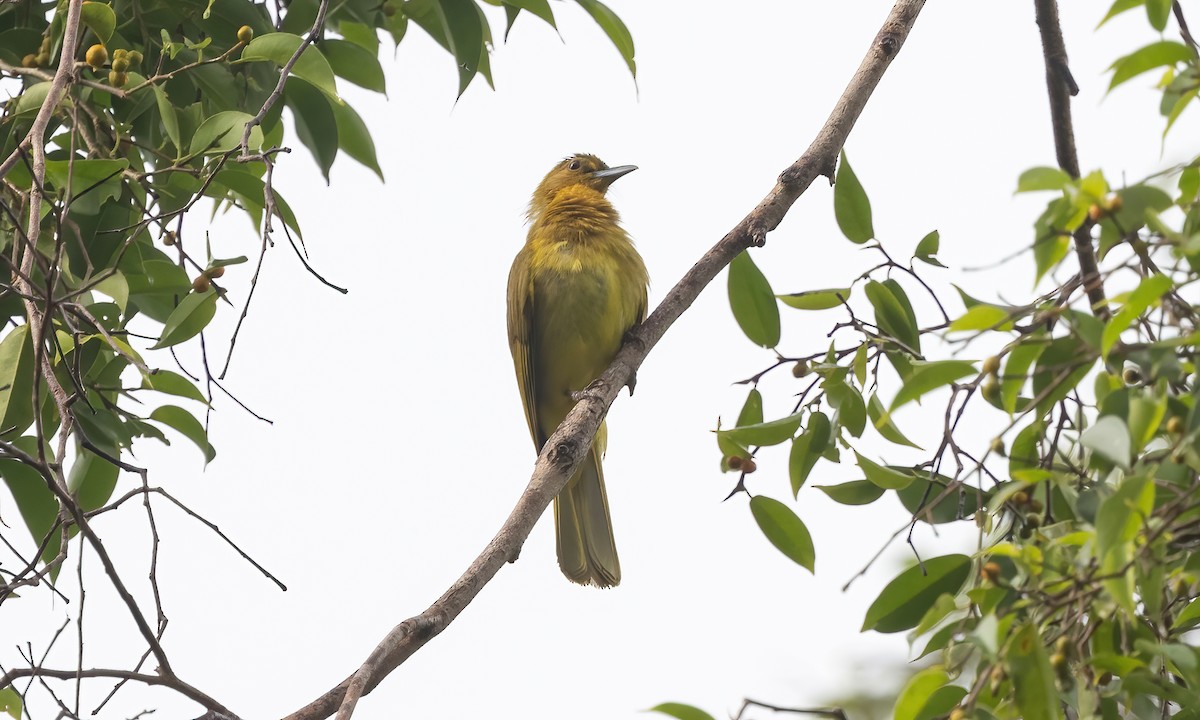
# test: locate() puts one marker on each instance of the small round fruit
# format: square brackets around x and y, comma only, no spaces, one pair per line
[800,369]
[991,366]
[733,462]
[1175,425]
[998,446]
[96,56]
[1115,203]
[29,61]
[215,272]
[749,466]
[43,59]
[117,79]
[1131,376]
[1020,497]
[119,53]
[1058,660]
[991,389]
[1033,520]
[245,34]
[1095,213]
[1036,505]
[958,714]
[169,238]
[201,284]
[134,57]
[120,64]
[990,571]
[389,9]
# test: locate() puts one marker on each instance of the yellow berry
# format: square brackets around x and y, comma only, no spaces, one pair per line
[800,369]
[1131,376]
[1036,506]
[998,446]
[29,61]
[134,57]
[1175,425]
[245,34]
[991,366]
[1020,497]
[96,56]
[117,79]
[120,64]
[216,272]
[1095,213]
[43,59]
[201,284]
[169,238]
[991,389]
[990,571]
[119,53]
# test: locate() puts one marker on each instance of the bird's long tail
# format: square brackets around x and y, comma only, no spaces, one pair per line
[586,551]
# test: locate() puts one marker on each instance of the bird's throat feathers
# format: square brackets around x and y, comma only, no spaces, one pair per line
[574,209]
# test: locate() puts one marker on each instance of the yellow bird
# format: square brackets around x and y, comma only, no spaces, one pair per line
[574,290]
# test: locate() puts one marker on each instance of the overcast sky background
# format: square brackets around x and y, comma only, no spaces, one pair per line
[399,444]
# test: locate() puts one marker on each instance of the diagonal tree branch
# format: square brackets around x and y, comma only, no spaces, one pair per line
[568,445]
[1061,86]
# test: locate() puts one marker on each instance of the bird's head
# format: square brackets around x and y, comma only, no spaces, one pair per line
[580,171]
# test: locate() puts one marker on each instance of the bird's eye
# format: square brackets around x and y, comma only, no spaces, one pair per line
[574,165]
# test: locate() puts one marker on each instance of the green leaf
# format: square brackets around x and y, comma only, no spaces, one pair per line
[1157,11]
[892,316]
[816,299]
[100,18]
[785,531]
[1024,455]
[928,376]
[92,479]
[982,317]
[1049,251]
[1119,7]
[354,63]
[191,316]
[1147,293]
[1016,370]
[1158,54]
[172,383]
[1109,437]
[883,477]
[316,125]
[679,711]
[752,409]
[355,138]
[768,433]
[909,596]
[1042,178]
[852,411]
[928,248]
[252,190]
[1032,675]
[1060,367]
[924,498]
[881,419]
[187,425]
[32,98]
[807,449]
[279,47]
[36,503]
[540,8]
[1123,513]
[222,132]
[170,121]
[100,178]
[16,380]
[752,302]
[1188,618]
[614,28]
[921,700]
[10,702]
[851,206]
[855,492]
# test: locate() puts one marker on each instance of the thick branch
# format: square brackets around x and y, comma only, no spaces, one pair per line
[1061,86]
[568,445]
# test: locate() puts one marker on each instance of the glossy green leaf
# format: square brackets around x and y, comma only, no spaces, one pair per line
[187,425]
[1120,6]
[851,409]
[891,315]
[807,449]
[1016,370]
[355,63]
[1049,251]
[928,248]
[1060,367]
[10,703]
[1123,513]
[816,299]
[16,380]
[904,601]
[1147,293]
[191,316]
[539,8]
[279,47]
[679,711]
[354,138]
[752,410]
[982,317]
[223,132]
[100,19]
[1032,676]
[1042,178]
[1188,618]
[851,206]
[252,190]
[172,383]
[1157,54]
[32,98]
[929,502]
[784,529]
[767,433]
[1025,455]
[929,376]
[882,476]
[614,28]
[1157,12]
[922,697]
[1109,437]
[752,302]
[881,420]
[170,121]
[35,502]
[855,492]
[316,125]
[92,479]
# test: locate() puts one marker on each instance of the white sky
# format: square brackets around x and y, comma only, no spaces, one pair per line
[399,444]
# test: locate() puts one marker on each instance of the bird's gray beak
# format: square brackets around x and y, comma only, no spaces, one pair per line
[609,175]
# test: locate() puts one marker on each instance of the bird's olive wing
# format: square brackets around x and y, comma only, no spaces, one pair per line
[520,337]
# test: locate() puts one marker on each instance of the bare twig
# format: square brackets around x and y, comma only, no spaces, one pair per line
[570,442]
